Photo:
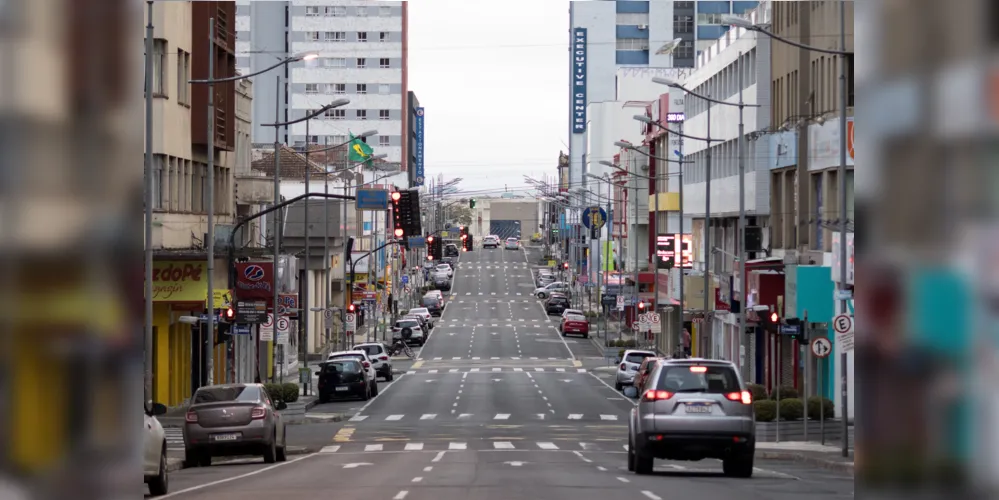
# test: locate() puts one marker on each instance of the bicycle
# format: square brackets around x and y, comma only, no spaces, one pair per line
[400,347]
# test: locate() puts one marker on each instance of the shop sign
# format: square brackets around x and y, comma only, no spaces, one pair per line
[254,280]
[179,281]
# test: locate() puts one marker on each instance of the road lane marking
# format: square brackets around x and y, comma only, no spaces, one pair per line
[438,457]
[428,416]
[457,446]
[544,445]
[237,478]
[401,495]
[580,455]
[330,449]
[575,416]
[465,415]
[502,416]
[623,479]
[608,417]
[394,417]
[417,479]
[428,468]
[357,418]
[432,371]
[602,469]
[651,495]
[503,445]
[414,446]
[373,447]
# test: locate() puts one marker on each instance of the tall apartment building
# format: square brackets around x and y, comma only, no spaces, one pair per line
[362,49]
[606,35]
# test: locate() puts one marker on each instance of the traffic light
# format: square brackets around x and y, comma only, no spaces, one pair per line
[409,206]
[471,203]
[774,318]
[351,308]
[466,242]
[397,218]
[641,307]
[435,248]
[565,265]
[227,314]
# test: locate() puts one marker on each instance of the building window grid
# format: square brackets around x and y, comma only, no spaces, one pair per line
[362,12]
[336,114]
[339,88]
[362,37]
[336,36]
[362,63]
[312,11]
[362,114]
[383,36]
[159,66]
[383,114]
[362,88]
[311,88]
[632,44]
[632,18]
[183,75]
[383,140]
[336,11]
[683,24]
[384,63]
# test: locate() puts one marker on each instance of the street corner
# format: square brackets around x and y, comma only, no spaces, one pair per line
[826,461]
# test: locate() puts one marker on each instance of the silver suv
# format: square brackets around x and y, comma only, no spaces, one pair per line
[692,409]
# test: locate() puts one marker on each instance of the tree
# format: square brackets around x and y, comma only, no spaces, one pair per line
[460,213]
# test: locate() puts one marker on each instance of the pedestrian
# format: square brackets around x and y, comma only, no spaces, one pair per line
[686,342]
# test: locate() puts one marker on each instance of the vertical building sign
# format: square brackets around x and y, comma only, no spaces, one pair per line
[418,129]
[578,80]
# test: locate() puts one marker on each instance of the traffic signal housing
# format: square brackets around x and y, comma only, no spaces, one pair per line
[436,246]
[466,242]
[641,307]
[398,218]
[351,308]
[471,203]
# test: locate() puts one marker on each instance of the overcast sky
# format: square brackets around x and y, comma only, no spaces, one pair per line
[493,78]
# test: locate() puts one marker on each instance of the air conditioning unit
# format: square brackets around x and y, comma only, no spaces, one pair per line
[643,26]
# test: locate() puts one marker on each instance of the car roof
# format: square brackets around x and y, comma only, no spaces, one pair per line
[363,344]
[346,353]
[638,351]
[698,361]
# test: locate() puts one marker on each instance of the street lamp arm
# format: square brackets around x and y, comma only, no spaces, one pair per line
[649,177]
[236,78]
[694,138]
[335,104]
[716,101]
[654,157]
[278,206]
[800,45]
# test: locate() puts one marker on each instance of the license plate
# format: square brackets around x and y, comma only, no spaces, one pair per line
[225,437]
[342,388]
[698,409]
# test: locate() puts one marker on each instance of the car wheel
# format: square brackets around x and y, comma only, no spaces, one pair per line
[643,464]
[323,399]
[618,386]
[282,452]
[158,486]
[367,393]
[631,457]
[374,385]
[740,465]
[389,377]
[191,459]
[205,459]
[270,452]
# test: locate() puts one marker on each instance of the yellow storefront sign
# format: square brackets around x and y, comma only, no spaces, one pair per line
[221,297]
[179,281]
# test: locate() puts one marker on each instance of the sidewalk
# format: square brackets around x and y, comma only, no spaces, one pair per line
[824,456]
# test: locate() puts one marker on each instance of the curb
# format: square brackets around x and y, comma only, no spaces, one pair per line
[176,464]
[807,459]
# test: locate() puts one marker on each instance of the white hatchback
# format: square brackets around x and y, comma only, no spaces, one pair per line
[379,356]
[369,367]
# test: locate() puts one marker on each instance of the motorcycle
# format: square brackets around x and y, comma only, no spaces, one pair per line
[400,347]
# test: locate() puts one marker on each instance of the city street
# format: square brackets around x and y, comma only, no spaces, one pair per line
[497,405]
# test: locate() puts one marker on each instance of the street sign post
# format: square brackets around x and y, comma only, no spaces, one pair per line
[843,325]
[283,326]
[821,347]
[328,319]
[620,302]
[267,329]
[350,321]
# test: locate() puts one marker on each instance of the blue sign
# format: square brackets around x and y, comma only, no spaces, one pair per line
[241,329]
[594,216]
[404,279]
[204,318]
[418,129]
[578,90]
[417,242]
[790,329]
[372,199]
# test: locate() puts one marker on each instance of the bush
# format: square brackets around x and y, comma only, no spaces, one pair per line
[791,409]
[290,392]
[275,392]
[765,409]
[786,392]
[826,404]
[759,392]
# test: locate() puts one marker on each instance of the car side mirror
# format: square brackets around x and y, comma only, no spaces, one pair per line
[281,405]
[157,409]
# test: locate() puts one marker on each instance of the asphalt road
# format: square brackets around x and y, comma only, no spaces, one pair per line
[496,406]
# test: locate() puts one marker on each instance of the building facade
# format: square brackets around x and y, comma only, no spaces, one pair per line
[362,57]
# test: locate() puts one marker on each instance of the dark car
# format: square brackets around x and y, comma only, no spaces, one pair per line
[434,303]
[557,304]
[451,250]
[442,282]
[233,419]
[342,378]
[692,409]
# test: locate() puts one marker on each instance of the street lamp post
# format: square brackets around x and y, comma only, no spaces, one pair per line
[148,181]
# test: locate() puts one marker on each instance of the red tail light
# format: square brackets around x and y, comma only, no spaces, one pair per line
[258,413]
[384,358]
[653,395]
[366,364]
[745,396]
[624,366]
[191,417]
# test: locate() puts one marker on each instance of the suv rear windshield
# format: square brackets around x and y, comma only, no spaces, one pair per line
[342,367]
[637,357]
[372,350]
[407,323]
[229,393]
[713,379]
[431,301]
[558,300]
[358,356]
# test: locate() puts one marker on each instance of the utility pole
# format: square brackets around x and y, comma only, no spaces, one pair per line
[210,198]
[706,324]
[844,302]
[277,229]
[743,353]
[148,333]
[304,312]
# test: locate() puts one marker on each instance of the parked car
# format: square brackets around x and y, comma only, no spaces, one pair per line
[648,364]
[434,303]
[512,244]
[546,291]
[491,241]
[556,304]
[445,269]
[628,367]
[441,281]
[425,313]
[569,312]
[424,324]
[451,250]
[343,378]
[361,357]
[154,456]
[692,409]
[380,359]
[233,419]
[408,330]
[545,280]
[575,323]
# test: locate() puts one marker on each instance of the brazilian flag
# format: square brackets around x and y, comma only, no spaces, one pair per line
[360,152]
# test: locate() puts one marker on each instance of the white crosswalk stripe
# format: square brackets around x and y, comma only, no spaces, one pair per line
[174,437]
[490,416]
[478,445]
[414,446]
[457,446]
[394,417]
[547,446]
[428,416]
[373,447]
[608,417]
[503,445]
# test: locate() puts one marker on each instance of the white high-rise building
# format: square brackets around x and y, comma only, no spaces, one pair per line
[361,58]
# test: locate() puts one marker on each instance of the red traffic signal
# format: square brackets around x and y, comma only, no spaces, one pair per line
[396,195]
[351,308]
[430,257]
[230,314]
[565,265]
[774,317]
[398,233]
[430,239]
[464,236]
[641,306]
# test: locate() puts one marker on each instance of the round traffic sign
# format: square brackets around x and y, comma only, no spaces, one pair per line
[821,347]
[328,314]
[654,318]
[350,317]
[270,321]
[283,324]
[843,323]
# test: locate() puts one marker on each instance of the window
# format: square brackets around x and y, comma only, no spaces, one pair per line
[338,139]
[383,140]
[383,36]
[240,393]
[336,114]
[683,5]
[685,50]
[336,11]
[683,24]
[384,89]
[312,139]
[339,88]
[709,18]
[336,36]
[159,66]
[362,114]
[312,11]
[159,162]
[362,62]
[362,12]
[312,36]
[335,62]
[384,11]
[311,88]
[384,63]
[362,37]
[632,44]
[183,75]
[383,114]
[633,18]
[362,88]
